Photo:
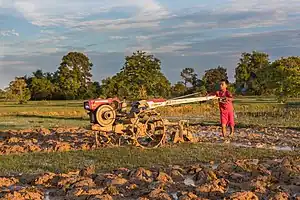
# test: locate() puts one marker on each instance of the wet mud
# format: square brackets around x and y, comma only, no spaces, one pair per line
[240,180]
[60,139]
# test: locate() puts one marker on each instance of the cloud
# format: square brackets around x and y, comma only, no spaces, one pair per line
[11,62]
[207,35]
[12,32]
[48,43]
[12,68]
[64,13]
[263,5]
[201,55]
[105,25]
[175,47]
[117,37]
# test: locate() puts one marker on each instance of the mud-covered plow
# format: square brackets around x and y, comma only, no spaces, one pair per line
[141,125]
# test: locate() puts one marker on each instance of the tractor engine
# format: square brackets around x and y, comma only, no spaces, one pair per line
[103,111]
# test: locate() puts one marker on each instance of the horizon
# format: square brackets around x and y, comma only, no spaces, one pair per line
[198,34]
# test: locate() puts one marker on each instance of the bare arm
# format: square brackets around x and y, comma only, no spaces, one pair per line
[212,94]
[229,96]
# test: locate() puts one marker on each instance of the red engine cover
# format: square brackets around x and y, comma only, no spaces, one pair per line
[95,103]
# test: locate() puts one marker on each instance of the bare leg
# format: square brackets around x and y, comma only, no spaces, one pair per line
[224,130]
[232,131]
[231,123]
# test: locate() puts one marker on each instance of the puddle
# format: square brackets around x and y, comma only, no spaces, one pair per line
[241,145]
[283,148]
[13,188]
[207,134]
[231,190]
[279,148]
[174,195]
[213,166]
[189,181]
[296,195]
[47,196]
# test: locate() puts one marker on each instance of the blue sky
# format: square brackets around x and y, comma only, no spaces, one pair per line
[36,34]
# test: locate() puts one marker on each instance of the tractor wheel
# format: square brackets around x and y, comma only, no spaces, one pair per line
[105,115]
[149,130]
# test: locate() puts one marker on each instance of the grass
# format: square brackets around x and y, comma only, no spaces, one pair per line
[111,158]
[257,111]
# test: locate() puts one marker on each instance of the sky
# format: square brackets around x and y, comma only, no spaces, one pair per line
[203,34]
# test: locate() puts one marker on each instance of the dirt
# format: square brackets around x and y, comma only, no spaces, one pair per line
[60,139]
[239,180]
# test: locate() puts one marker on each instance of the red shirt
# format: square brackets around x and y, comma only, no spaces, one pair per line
[225,106]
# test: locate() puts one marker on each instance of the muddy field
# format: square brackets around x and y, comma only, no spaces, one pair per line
[237,179]
[241,179]
[45,140]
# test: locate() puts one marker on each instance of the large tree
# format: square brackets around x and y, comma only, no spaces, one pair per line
[189,76]
[40,85]
[41,88]
[74,74]
[140,77]
[248,73]
[212,77]
[93,91]
[18,90]
[284,77]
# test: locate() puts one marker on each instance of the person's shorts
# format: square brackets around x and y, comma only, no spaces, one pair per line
[227,118]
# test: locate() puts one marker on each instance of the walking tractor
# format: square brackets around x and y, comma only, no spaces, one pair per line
[140,125]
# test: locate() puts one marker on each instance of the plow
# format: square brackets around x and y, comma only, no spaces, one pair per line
[140,125]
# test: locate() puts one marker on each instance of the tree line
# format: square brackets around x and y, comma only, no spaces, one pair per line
[141,78]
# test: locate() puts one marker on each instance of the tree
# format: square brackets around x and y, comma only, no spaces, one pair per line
[178,89]
[18,90]
[41,88]
[248,73]
[38,74]
[41,85]
[2,94]
[74,74]
[93,91]
[140,76]
[212,77]
[114,86]
[284,77]
[189,76]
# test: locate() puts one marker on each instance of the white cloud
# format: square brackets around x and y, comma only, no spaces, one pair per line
[48,40]
[170,48]
[264,5]
[47,32]
[142,37]
[103,25]
[8,62]
[42,45]
[67,13]
[12,32]
[191,24]
[117,37]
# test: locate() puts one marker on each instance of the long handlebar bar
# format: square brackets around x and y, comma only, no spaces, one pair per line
[179,101]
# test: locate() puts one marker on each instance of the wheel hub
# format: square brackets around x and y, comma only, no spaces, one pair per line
[105,115]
